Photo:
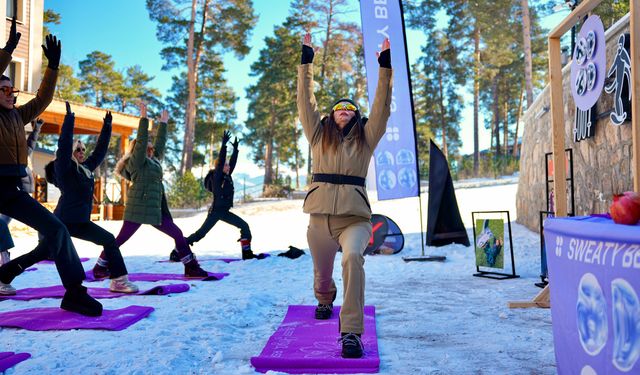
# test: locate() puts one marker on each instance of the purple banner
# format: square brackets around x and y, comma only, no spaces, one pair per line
[395,156]
[594,274]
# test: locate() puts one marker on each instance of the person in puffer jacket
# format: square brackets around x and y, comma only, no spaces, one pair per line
[342,144]
[220,183]
[28,185]
[72,173]
[20,205]
[146,202]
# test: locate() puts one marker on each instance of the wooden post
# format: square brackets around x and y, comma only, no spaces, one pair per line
[635,91]
[557,124]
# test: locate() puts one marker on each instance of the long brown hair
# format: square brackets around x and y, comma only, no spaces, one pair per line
[332,134]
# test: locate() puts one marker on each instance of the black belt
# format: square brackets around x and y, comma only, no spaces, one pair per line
[338,179]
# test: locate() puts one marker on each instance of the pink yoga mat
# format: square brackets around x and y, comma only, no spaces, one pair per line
[226,260]
[54,318]
[302,344]
[47,261]
[10,359]
[57,291]
[162,276]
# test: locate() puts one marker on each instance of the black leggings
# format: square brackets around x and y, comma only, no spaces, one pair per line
[227,217]
[22,207]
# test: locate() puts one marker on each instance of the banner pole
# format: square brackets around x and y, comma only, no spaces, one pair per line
[413,119]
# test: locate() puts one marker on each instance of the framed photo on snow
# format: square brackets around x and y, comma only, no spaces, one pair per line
[493,244]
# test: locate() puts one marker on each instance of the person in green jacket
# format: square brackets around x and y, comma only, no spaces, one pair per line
[146,201]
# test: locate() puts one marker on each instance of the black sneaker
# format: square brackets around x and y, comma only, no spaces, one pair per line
[76,299]
[351,345]
[324,312]
[173,256]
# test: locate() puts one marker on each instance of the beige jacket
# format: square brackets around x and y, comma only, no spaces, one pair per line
[334,199]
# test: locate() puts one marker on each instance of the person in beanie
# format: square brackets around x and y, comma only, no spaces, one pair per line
[72,173]
[219,182]
[342,144]
[19,204]
[146,201]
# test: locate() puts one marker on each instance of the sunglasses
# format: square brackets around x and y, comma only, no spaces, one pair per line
[80,149]
[345,107]
[9,90]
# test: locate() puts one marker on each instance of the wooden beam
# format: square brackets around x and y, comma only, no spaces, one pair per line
[557,128]
[635,91]
[576,15]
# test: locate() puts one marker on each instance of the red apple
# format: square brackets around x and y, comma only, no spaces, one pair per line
[625,208]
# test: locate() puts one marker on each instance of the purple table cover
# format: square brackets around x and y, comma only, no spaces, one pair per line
[10,359]
[57,291]
[226,260]
[162,276]
[54,318]
[594,275]
[302,344]
[47,261]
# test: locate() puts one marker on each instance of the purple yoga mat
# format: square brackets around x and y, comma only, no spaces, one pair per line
[302,344]
[47,261]
[57,291]
[163,276]
[10,359]
[226,260]
[54,318]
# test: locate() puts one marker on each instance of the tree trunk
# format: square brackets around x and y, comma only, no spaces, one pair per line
[515,136]
[190,115]
[476,99]
[268,153]
[526,35]
[443,123]
[505,121]
[496,113]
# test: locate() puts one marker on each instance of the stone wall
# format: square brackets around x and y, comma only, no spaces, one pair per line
[602,164]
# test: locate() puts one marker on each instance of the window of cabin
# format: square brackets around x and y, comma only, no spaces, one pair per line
[11,11]
[14,72]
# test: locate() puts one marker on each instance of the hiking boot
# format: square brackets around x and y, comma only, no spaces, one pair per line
[324,312]
[173,256]
[76,299]
[192,268]
[100,272]
[7,289]
[122,284]
[351,345]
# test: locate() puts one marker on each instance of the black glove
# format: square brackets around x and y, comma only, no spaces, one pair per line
[52,50]
[14,37]
[107,119]
[226,137]
[69,109]
[307,55]
[235,143]
[385,59]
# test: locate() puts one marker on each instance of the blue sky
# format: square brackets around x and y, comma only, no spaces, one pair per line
[122,28]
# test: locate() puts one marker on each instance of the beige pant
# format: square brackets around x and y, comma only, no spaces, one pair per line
[326,233]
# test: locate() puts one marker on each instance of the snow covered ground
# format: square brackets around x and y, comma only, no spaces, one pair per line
[432,318]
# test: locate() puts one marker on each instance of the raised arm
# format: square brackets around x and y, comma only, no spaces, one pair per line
[98,154]
[234,155]
[32,140]
[161,136]
[12,41]
[381,108]
[39,103]
[307,105]
[65,143]
[222,156]
[142,138]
